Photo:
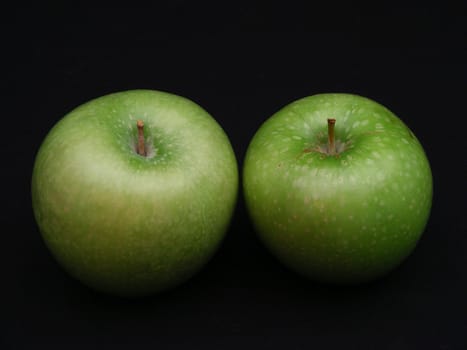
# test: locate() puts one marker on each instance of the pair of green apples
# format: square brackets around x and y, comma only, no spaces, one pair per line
[134,191]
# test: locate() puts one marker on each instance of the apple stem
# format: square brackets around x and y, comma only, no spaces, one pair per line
[141,147]
[331,143]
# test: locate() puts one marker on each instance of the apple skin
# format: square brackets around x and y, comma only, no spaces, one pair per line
[345,218]
[126,224]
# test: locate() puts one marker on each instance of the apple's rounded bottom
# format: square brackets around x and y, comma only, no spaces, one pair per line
[127,289]
[338,272]
[347,278]
[133,284]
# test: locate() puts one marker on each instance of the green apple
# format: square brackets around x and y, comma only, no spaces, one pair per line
[133,191]
[338,188]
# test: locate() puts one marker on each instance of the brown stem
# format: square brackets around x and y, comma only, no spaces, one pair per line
[141,147]
[331,143]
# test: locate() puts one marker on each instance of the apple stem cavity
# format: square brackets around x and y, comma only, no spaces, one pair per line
[141,146]
[331,139]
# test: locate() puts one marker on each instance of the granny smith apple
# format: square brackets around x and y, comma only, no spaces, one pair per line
[134,191]
[338,187]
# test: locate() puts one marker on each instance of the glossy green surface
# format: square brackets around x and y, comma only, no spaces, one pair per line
[345,218]
[127,224]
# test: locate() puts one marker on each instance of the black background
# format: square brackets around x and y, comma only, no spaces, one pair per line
[242,63]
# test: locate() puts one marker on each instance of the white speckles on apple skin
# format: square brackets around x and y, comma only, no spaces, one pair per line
[326,193]
[127,224]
